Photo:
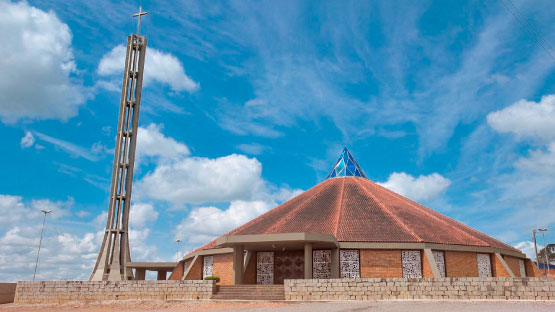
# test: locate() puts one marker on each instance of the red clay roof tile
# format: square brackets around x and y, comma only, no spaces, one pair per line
[358,210]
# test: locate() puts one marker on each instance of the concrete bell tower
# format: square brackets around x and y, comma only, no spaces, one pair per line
[114,251]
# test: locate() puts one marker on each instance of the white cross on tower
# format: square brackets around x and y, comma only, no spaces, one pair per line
[141,13]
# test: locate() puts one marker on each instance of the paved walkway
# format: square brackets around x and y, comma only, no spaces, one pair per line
[253,306]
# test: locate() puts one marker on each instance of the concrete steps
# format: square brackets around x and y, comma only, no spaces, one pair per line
[249,292]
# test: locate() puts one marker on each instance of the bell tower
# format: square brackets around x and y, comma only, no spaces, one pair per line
[114,251]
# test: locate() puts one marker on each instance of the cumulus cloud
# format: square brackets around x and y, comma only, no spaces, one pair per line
[28,140]
[540,162]
[198,180]
[159,67]
[37,64]
[152,143]
[417,188]
[526,119]
[66,253]
[194,229]
[140,214]
[527,247]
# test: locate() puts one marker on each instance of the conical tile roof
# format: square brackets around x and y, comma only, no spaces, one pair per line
[358,210]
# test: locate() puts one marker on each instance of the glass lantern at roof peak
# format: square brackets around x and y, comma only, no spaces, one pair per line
[346,166]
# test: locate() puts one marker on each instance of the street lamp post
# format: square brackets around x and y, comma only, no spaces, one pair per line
[40,242]
[178,241]
[543,230]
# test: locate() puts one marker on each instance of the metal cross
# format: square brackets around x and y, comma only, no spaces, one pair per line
[141,13]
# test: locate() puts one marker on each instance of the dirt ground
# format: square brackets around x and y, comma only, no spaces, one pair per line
[252,306]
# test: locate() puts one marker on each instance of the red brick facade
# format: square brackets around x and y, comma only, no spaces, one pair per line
[461,264]
[374,263]
[497,268]
[177,272]
[250,271]
[380,263]
[223,267]
[513,264]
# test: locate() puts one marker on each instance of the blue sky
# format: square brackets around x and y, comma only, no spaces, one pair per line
[246,104]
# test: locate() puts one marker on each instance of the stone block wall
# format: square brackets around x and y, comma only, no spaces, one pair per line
[462,288]
[58,292]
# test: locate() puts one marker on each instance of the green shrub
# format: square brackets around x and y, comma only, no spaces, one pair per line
[212,278]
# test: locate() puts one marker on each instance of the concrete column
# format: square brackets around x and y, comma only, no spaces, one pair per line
[432,262]
[308,261]
[238,265]
[162,275]
[140,274]
[335,263]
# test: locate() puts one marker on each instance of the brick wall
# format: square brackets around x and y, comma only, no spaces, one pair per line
[223,267]
[531,268]
[497,268]
[461,264]
[7,292]
[177,272]
[250,272]
[461,288]
[426,268]
[513,264]
[380,263]
[196,271]
[58,292]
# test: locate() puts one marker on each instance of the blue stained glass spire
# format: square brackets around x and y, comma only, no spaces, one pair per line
[346,166]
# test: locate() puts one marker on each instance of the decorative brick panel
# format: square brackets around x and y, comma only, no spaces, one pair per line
[265,267]
[321,263]
[380,263]
[461,264]
[411,261]
[484,265]
[349,263]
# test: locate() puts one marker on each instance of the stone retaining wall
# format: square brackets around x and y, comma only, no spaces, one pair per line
[452,288]
[57,292]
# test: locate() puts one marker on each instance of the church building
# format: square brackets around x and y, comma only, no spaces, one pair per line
[350,227]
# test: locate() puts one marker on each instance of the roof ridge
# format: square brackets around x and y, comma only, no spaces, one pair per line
[392,215]
[340,208]
[429,211]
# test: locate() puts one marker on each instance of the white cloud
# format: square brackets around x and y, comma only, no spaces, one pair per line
[539,162]
[527,119]
[527,247]
[206,223]
[159,66]
[420,188]
[152,143]
[37,63]
[199,180]
[28,140]
[13,209]
[72,149]
[140,214]
[252,148]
